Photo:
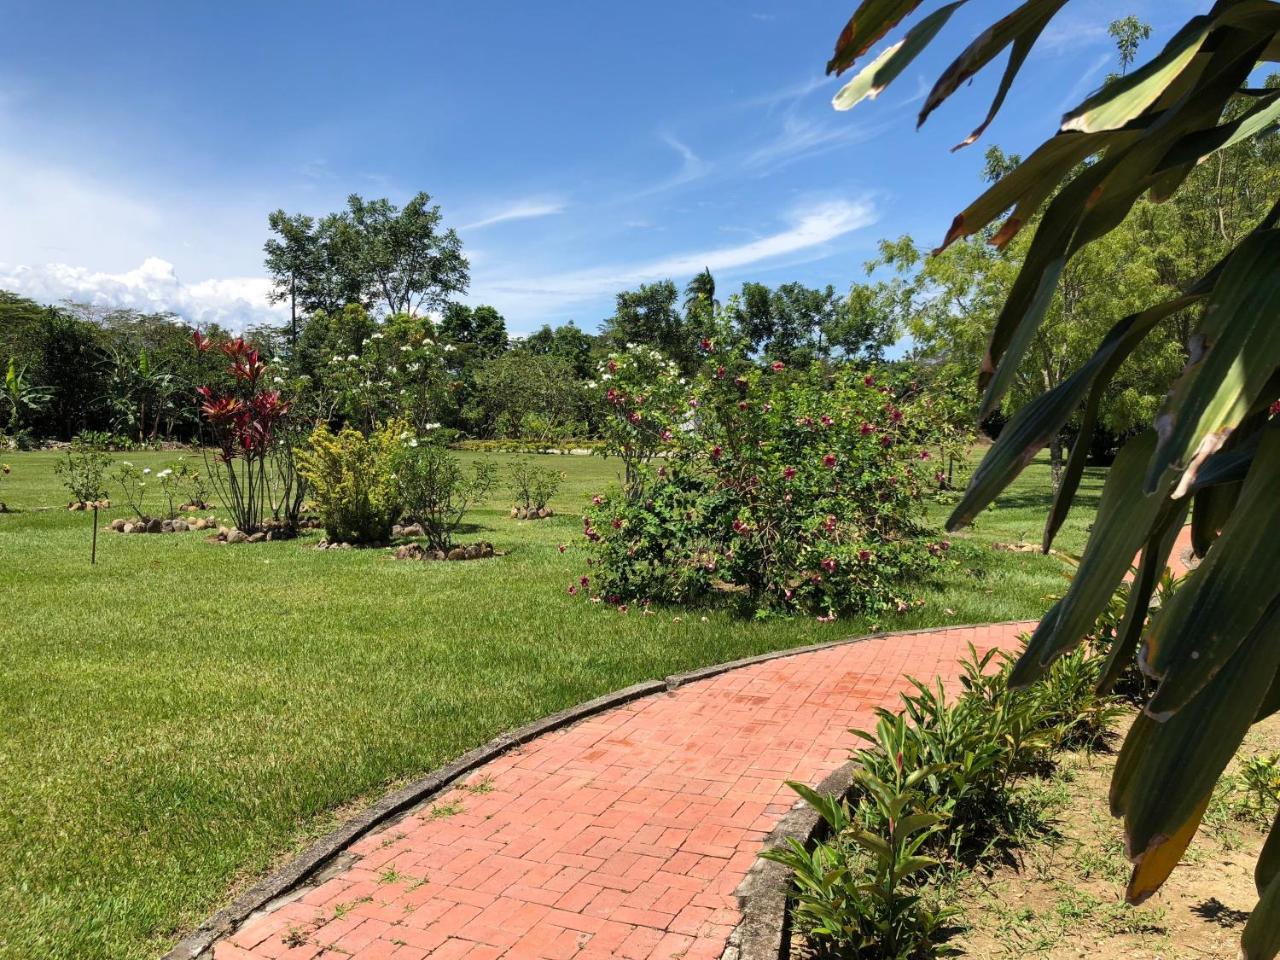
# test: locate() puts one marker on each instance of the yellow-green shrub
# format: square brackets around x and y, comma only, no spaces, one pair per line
[352,481]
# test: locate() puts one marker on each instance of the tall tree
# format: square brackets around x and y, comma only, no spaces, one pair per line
[650,315]
[293,260]
[408,260]
[700,294]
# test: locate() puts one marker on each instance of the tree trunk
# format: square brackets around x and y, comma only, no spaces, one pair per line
[1056,460]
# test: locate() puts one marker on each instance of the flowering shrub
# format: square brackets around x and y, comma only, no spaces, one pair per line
[436,492]
[791,491]
[399,371]
[135,484]
[254,469]
[353,481]
[644,400]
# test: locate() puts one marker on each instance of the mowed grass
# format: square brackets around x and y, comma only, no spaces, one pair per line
[183,715]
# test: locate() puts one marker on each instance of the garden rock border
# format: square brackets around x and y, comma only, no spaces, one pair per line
[762,895]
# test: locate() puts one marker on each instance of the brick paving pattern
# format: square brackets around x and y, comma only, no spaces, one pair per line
[625,835]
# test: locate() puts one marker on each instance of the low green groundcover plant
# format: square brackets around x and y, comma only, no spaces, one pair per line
[789,490]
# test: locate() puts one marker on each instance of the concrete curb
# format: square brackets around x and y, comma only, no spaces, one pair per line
[762,901]
[763,896]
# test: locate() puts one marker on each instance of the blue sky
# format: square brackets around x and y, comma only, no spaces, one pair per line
[579,148]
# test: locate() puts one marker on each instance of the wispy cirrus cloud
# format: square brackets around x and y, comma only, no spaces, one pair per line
[807,232]
[526,209]
[801,138]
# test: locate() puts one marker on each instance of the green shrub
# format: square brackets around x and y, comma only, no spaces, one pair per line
[352,481]
[532,486]
[436,492]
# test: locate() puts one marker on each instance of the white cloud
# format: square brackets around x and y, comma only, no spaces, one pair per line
[232,302]
[520,210]
[809,230]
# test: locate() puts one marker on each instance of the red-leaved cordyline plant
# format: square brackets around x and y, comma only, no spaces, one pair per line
[248,424]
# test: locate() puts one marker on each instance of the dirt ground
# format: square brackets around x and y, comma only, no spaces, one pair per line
[1063,897]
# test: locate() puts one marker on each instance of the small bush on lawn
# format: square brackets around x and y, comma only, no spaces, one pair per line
[793,491]
[434,491]
[532,487]
[353,482]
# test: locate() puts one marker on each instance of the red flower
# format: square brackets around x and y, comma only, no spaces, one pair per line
[826,421]
[829,564]
[866,429]
[573,590]
[612,366]
[924,454]
[864,556]
[715,453]
[830,523]
[720,373]
[584,581]
[829,461]
[617,523]
[705,344]
[869,380]
[886,441]
[200,340]
[597,500]
[789,473]
[777,366]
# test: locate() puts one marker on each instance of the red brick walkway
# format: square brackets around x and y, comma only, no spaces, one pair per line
[624,835]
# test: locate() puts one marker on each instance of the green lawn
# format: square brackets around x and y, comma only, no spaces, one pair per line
[178,718]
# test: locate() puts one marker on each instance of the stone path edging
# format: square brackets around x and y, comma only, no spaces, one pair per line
[762,894]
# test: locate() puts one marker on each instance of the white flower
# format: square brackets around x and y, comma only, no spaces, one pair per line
[413,442]
[406,348]
[376,336]
[277,379]
[146,471]
[353,357]
[448,348]
[414,367]
[432,426]
[164,473]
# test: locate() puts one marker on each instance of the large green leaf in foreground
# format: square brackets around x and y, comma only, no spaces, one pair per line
[1215,449]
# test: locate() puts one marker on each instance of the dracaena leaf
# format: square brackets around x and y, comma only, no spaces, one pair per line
[1261,938]
[1234,355]
[1033,426]
[871,21]
[1179,761]
[1226,597]
[1153,865]
[1028,19]
[1126,97]
[1155,559]
[882,71]
[1125,518]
